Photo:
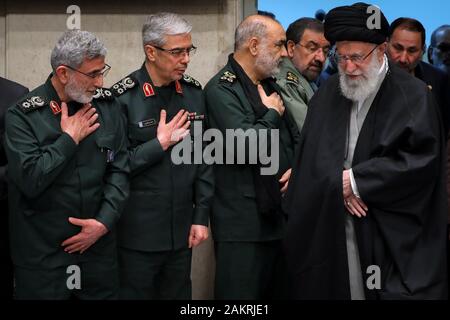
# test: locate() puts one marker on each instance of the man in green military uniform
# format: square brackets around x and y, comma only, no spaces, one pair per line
[247,223]
[68,174]
[307,51]
[168,210]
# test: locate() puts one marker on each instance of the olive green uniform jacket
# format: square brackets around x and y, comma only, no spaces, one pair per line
[51,178]
[165,199]
[235,215]
[295,90]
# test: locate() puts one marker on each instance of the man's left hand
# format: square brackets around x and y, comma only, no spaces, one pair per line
[91,231]
[198,234]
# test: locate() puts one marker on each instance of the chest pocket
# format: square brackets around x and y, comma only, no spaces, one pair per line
[107,145]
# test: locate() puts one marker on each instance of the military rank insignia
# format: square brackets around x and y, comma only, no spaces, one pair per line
[102,93]
[228,76]
[123,86]
[31,103]
[292,77]
[190,80]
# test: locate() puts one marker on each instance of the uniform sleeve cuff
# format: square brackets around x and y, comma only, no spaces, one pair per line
[201,216]
[108,220]
[273,117]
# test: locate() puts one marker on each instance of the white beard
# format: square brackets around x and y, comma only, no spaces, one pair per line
[76,93]
[267,65]
[360,89]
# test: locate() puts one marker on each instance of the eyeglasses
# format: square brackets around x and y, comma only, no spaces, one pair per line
[93,75]
[354,58]
[314,48]
[178,52]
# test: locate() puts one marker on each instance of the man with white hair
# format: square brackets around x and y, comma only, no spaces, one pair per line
[366,200]
[247,222]
[168,210]
[68,178]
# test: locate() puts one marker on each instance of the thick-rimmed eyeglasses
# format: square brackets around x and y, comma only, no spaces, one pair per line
[354,58]
[93,75]
[178,52]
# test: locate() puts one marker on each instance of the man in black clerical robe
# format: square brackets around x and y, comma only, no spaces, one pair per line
[397,203]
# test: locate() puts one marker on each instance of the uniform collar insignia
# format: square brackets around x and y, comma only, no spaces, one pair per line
[178,87]
[290,76]
[55,107]
[148,90]
[228,76]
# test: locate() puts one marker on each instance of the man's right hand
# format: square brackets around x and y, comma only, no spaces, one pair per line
[171,133]
[273,101]
[81,124]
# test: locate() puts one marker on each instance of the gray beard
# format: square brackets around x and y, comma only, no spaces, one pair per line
[359,90]
[75,93]
[267,66]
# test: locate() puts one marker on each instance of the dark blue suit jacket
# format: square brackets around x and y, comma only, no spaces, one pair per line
[438,82]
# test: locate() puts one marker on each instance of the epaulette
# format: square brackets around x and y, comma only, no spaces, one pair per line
[292,77]
[123,85]
[103,94]
[31,103]
[189,80]
[228,76]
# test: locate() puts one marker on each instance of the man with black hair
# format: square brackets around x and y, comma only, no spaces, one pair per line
[406,48]
[307,51]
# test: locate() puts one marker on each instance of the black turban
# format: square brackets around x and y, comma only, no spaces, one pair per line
[350,23]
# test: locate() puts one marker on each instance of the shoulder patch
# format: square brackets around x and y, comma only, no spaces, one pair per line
[31,103]
[188,79]
[292,77]
[123,86]
[103,94]
[228,76]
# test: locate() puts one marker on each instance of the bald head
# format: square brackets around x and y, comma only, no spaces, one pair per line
[260,46]
[439,50]
[255,26]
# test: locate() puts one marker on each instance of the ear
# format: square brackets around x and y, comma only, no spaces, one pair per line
[62,73]
[290,45]
[424,49]
[253,44]
[430,54]
[382,49]
[150,52]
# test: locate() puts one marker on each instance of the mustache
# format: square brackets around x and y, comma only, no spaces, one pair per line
[317,64]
